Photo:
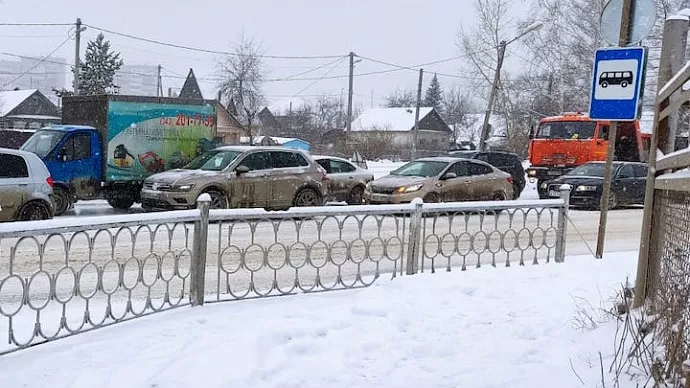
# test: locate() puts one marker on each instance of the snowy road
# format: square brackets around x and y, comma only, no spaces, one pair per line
[121,279]
[622,234]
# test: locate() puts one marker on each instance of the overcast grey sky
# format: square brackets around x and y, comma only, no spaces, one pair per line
[406,32]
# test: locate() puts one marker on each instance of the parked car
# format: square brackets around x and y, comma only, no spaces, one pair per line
[346,181]
[240,176]
[26,187]
[504,161]
[441,179]
[587,182]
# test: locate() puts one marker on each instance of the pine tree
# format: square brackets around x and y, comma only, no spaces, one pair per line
[434,95]
[97,71]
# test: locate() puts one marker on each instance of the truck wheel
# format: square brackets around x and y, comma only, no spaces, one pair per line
[121,199]
[61,200]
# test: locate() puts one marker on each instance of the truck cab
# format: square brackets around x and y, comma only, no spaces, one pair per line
[73,155]
[561,143]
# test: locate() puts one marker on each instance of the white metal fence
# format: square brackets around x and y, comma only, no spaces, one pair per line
[64,277]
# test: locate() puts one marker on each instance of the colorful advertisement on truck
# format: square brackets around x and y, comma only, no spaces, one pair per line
[146,138]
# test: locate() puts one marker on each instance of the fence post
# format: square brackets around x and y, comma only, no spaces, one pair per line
[198,268]
[562,223]
[413,248]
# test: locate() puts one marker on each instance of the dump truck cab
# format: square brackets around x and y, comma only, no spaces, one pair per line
[561,143]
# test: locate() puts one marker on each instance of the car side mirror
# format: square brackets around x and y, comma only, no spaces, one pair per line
[449,175]
[531,132]
[241,170]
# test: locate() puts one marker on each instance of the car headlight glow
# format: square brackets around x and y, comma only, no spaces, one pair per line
[410,189]
[183,187]
[532,172]
[586,188]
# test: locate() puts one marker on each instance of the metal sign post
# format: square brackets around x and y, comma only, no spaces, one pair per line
[617,86]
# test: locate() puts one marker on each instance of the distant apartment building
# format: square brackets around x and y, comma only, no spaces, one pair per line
[43,76]
[137,80]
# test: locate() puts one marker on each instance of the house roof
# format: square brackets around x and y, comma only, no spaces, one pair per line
[388,119]
[190,89]
[11,99]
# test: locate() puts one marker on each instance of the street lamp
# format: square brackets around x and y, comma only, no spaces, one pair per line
[492,96]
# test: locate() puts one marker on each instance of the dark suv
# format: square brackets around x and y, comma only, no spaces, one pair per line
[504,161]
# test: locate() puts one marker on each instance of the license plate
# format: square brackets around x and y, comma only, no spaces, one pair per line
[150,195]
[378,198]
[554,193]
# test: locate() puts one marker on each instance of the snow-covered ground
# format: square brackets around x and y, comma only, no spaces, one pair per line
[489,327]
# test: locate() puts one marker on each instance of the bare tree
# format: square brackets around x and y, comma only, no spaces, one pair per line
[456,108]
[242,77]
[377,142]
[401,99]
[328,113]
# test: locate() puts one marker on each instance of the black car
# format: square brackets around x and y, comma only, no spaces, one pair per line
[587,182]
[504,161]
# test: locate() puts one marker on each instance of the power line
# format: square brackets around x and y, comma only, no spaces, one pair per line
[161,43]
[69,37]
[30,36]
[37,24]
[324,75]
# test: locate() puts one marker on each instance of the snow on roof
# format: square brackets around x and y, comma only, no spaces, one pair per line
[388,119]
[12,98]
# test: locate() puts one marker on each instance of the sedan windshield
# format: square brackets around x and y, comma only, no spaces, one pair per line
[591,169]
[212,161]
[42,142]
[421,168]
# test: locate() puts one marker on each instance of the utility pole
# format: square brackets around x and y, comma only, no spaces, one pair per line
[77,41]
[415,134]
[159,88]
[349,94]
[623,40]
[492,95]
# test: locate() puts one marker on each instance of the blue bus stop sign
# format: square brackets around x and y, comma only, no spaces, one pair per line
[618,83]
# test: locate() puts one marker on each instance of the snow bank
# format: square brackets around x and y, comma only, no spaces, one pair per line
[494,327]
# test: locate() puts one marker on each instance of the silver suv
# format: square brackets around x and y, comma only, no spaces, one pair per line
[238,177]
[26,187]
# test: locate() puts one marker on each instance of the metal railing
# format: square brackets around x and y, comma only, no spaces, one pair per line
[63,277]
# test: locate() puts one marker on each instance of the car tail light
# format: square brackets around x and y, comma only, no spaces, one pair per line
[324,177]
[510,180]
[49,181]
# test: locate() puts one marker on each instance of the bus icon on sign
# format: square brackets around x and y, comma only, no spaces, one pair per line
[622,78]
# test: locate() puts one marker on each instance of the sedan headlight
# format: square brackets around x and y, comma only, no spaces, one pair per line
[586,188]
[410,189]
[182,187]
